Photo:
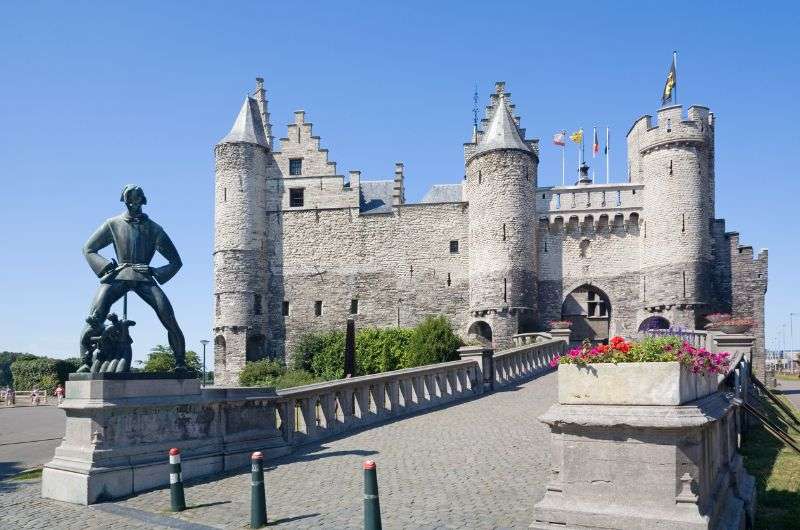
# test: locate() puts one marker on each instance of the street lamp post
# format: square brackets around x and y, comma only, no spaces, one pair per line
[791,330]
[204,342]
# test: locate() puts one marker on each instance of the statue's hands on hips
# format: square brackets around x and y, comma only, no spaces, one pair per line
[144,269]
[112,264]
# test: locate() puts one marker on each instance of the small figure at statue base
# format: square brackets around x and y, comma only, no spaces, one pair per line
[111,348]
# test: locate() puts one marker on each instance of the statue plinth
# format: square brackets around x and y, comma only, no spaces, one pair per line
[120,427]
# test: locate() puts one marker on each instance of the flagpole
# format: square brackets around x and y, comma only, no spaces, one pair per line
[675,88]
[563,149]
[608,158]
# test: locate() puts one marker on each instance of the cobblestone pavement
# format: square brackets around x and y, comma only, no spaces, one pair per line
[479,464]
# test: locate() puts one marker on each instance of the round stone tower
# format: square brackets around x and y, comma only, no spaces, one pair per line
[674,159]
[500,186]
[240,237]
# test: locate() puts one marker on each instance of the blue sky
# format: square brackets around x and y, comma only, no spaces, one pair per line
[94,95]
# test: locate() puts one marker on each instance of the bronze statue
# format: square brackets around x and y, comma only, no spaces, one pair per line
[135,238]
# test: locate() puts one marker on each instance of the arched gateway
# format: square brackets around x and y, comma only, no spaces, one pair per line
[589,310]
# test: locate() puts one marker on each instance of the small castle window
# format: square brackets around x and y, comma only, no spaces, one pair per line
[224,194]
[669,125]
[619,197]
[257,304]
[683,222]
[318,308]
[448,279]
[505,290]
[670,168]
[480,175]
[633,192]
[295,166]
[504,231]
[285,308]
[354,306]
[453,248]
[684,284]
[217,308]
[296,197]
[543,196]
[545,244]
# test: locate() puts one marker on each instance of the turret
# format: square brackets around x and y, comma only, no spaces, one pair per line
[500,186]
[240,237]
[675,160]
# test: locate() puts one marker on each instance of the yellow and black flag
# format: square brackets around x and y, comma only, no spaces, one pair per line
[671,84]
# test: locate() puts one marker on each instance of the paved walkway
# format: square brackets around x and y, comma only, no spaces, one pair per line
[28,437]
[791,389]
[479,464]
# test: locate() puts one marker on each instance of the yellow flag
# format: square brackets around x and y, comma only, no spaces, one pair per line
[577,136]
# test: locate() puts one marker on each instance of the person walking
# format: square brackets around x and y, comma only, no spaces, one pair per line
[11,397]
[35,397]
[59,393]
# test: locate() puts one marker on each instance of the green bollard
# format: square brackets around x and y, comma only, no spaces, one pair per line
[177,501]
[258,495]
[372,506]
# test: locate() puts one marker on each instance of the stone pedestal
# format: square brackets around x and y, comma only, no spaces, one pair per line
[646,467]
[121,426]
[484,356]
[561,333]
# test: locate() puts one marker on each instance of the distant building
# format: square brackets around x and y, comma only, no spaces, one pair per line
[300,247]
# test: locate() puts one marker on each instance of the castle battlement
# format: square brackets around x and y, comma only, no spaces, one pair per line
[671,128]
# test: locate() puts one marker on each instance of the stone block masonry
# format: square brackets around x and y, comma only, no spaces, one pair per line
[300,247]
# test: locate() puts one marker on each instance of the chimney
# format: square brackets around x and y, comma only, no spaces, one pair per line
[398,191]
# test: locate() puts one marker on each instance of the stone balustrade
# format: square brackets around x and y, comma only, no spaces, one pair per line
[314,412]
[521,362]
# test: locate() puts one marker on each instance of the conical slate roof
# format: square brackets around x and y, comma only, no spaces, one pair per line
[248,127]
[502,132]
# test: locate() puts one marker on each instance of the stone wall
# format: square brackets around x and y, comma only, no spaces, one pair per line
[397,265]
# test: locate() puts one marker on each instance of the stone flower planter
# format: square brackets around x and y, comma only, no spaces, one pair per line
[664,383]
[733,329]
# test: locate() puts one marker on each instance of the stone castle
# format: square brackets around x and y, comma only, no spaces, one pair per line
[299,247]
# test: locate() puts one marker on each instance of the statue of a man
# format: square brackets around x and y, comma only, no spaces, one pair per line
[136,238]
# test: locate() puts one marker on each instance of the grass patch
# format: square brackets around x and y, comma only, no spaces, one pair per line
[776,468]
[30,474]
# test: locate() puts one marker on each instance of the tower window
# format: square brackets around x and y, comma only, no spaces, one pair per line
[684,284]
[505,290]
[504,231]
[318,308]
[257,304]
[224,194]
[453,248]
[670,168]
[683,222]
[543,195]
[217,308]
[558,200]
[295,166]
[545,244]
[354,306]
[448,279]
[619,197]
[285,308]
[480,175]
[296,197]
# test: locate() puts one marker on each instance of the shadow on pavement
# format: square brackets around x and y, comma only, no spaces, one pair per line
[290,519]
[9,469]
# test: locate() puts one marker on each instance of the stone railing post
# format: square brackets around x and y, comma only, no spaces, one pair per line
[562,334]
[484,357]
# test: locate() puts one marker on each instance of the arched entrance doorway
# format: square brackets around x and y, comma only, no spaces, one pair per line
[589,310]
[654,322]
[481,331]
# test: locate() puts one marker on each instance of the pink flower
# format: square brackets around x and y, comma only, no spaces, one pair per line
[554,361]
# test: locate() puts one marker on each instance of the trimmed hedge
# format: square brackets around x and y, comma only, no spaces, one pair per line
[41,372]
[272,373]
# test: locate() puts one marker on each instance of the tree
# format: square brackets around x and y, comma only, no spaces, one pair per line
[6,359]
[161,359]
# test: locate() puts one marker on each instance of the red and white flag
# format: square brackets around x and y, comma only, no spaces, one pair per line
[558,138]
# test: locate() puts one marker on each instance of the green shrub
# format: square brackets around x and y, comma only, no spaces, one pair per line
[293,378]
[327,361]
[161,359]
[254,373]
[381,350]
[432,341]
